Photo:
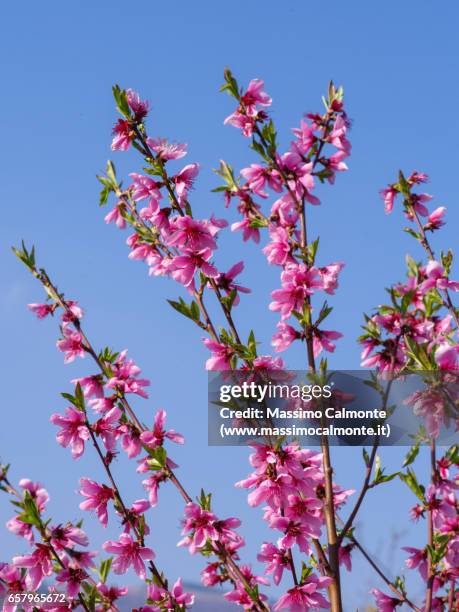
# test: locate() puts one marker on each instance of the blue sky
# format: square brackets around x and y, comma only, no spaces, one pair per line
[398,63]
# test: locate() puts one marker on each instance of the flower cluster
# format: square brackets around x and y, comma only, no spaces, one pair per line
[437,563]
[290,480]
[57,550]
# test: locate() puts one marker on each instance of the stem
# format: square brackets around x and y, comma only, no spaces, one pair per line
[430,534]
[451,596]
[127,517]
[334,590]
[389,583]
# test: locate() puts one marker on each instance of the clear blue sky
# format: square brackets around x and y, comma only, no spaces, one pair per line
[398,63]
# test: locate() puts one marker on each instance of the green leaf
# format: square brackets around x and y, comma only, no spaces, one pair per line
[230,84]
[121,101]
[411,455]
[158,458]
[104,569]
[411,481]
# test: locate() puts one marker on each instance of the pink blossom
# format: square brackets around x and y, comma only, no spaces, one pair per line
[285,211]
[71,344]
[248,232]
[225,281]
[210,576]
[74,431]
[435,219]
[198,527]
[130,439]
[389,194]
[12,578]
[144,187]
[92,385]
[155,438]
[116,215]
[106,429]
[167,150]
[257,176]
[102,404]
[384,602]
[71,313]
[169,601]
[112,593]
[344,555]
[139,107]
[241,121]
[305,138]
[221,355]
[190,233]
[41,310]
[184,267]
[122,136]
[296,532]
[278,250]
[125,376]
[23,530]
[305,596]
[284,337]
[239,595]
[416,178]
[329,275]
[98,497]
[323,341]
[247,113]
[436,278]
[128,552]
[151,485]
[37,492]
[417,559]
[298,282]
[273,490]
[267,363]
[38,564]
[184,181]
[67,536]
[277,560]
[255,95]
[430,404]
[446,356]
[72,577]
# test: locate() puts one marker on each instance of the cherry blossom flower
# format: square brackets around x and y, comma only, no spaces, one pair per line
[277,560]
[125,376]
[284,337]
[97,496]
[123,135]
[71,344]
[155,438]
[305,596]
[41,310]
[72,577]
[384,602]
[298,282]
[167,150]
[225,282]
[38,564]
[169,601]
[221,355]
[128,552]
[74,431]
[139,107]
[184,181]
